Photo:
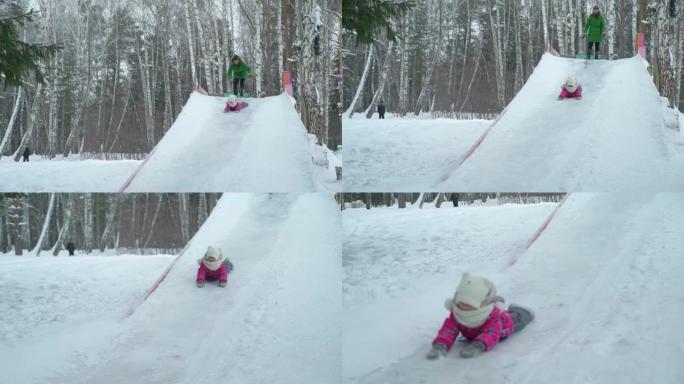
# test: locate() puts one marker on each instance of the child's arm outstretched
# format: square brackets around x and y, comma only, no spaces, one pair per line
[445,338]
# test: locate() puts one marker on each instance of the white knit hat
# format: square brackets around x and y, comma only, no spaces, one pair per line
[571,84]
[477,292]
[214,253]
[232,100]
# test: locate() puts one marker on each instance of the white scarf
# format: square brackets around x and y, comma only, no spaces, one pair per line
[213,265]
[472,319]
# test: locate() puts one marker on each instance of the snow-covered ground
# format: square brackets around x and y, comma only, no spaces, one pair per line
[402,154]
[604,280]
[39,175]
[279,319]
[55,311]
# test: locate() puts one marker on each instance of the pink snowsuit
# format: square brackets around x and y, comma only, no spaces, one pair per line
[220,274]
[236,108]
[498,326]
[567,94]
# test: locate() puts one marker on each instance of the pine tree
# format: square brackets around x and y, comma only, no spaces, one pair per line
[17,58]
[366,17]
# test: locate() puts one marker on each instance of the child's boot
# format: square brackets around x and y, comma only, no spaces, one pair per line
[520,316]
[222,284]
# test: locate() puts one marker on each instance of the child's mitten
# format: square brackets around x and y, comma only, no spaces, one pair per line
[473,349]
[200,284]
[222,284]
[438,350]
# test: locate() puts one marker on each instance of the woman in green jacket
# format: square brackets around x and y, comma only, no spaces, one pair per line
[238,71]
[595,30]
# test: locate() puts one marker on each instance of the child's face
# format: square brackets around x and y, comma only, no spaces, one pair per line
[211,259]
[596,10]
[236,61]
[465,307]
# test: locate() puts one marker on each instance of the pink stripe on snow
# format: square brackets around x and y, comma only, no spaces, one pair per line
[546,222]
[130,179]
[472,148]
[157,283]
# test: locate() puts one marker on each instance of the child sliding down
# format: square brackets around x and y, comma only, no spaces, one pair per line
[475,314]
[571,89]
[233,104]
[213,267]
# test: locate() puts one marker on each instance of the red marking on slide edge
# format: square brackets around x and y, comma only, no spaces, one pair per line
[543,227]
[156,284]
[135,173]
[484,134]
[475,145]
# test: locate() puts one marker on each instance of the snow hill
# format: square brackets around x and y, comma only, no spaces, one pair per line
[604,280]
[402,154]
[613,138]
[263,148]
[277,321]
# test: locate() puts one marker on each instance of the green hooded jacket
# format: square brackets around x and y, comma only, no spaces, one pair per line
[238,71]
[594,28]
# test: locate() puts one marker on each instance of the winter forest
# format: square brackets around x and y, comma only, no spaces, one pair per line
[125,69]
[133,223]
[452,57]
[400,200]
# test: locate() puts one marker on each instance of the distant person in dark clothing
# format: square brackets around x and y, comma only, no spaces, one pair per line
[381,109]
[71,247]
[27,153]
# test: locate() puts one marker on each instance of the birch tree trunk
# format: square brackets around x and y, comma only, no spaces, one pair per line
[65,227]
[545,25]
[610,28]
[31,124]
[88,222]
[383,80]
[13,119]
[184,216]
[350,112]
[113,201]
[498,54]
[203,49]
[191,50]
[46,225]
[14,224]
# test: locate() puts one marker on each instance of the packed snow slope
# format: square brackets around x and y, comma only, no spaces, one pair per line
[398,154]
[57,312]
[262,148]
[613,138]
[604,280]
[70,175]
[278,320]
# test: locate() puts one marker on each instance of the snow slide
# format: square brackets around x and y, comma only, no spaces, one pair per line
[614,138]
[262,148]
[604,280]
[276,321]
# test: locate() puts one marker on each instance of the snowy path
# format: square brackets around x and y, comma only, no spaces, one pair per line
[604,281]
[403,154]
[263,148]
[282,292]
[64,175]
[57,311]
[614,138]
